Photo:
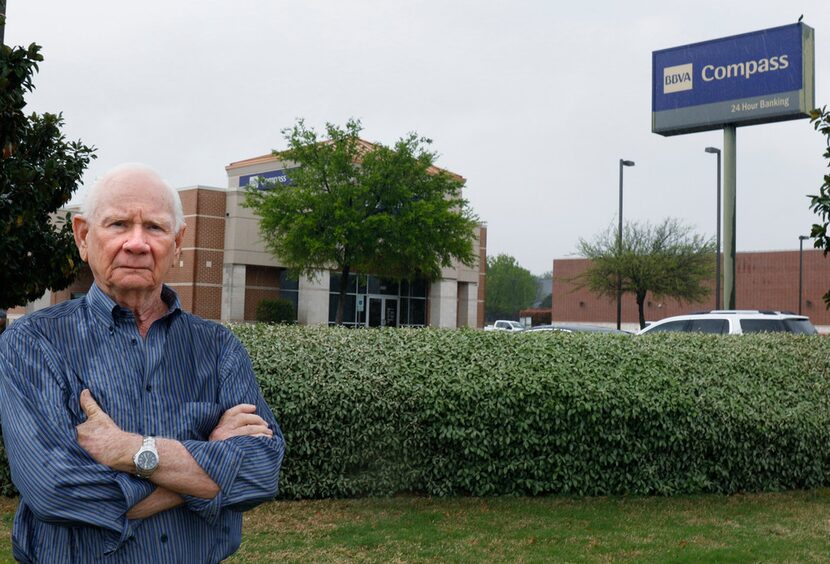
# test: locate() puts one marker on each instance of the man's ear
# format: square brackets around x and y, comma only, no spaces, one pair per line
[80,228]
[179,240]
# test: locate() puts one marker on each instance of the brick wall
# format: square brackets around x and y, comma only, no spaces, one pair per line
[482,274]
[261,283]
[197,276]
[764,280]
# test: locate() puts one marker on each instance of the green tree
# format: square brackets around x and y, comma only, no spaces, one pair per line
[362,207]
[510,288]
[820,203]
[39,171]
[667,260]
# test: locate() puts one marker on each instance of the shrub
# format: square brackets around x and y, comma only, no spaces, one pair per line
[275,311]
[377,412]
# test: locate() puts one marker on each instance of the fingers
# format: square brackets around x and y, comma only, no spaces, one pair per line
[241,408]
[241,421]
[88,404]
[251,431]
[249,419]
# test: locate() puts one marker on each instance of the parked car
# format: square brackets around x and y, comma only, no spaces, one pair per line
[577,328]
[505,325]
[733,322]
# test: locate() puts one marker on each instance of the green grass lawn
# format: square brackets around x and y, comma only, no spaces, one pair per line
[792,526]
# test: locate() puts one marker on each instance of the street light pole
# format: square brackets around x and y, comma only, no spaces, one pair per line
[801,239]
[623,163]
[716,151]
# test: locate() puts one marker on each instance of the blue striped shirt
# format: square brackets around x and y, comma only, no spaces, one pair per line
[174,383]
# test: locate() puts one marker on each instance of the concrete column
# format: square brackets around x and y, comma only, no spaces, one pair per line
[462,304]
[313,299]
[233,292]
[472,305]
[443,304]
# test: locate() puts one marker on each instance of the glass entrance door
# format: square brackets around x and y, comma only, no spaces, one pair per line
[390,310]
[383,312]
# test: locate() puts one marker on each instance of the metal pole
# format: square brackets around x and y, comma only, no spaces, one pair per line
[729,206]
[623,163]
[619,251]
[717,151]
[801,270]
[718,239]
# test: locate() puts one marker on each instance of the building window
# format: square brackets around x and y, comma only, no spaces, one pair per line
[373,301]
[290,289]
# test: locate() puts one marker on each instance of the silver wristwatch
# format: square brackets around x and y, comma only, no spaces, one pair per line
[146,460]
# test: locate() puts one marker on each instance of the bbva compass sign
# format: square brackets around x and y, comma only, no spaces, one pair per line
[746,79]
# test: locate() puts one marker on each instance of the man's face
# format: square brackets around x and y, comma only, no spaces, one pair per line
[129,242]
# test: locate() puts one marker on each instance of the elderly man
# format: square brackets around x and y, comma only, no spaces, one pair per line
[135,431]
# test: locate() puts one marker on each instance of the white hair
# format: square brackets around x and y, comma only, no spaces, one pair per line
[90,205]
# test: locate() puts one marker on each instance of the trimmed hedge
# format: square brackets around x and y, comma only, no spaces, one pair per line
[466,412]
[378,412]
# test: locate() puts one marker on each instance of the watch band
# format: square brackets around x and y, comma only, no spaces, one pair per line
[148,446]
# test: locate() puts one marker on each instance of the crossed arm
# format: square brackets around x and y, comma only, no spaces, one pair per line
[178,472]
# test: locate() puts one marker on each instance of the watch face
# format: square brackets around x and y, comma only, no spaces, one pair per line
[146,460]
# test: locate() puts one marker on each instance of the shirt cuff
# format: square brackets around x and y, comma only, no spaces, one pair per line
[207,509]
[221,461]
[134,490]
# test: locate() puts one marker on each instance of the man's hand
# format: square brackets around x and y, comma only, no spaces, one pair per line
[105,442]
[241,420]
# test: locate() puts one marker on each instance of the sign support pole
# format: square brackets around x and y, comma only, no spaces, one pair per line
[729,206]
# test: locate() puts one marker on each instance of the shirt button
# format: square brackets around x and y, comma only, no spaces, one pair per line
[149,388]
[163,537]
[134,341]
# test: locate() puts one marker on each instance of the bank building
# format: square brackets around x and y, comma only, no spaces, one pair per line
[225,270]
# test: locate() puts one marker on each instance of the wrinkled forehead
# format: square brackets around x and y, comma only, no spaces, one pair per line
[136,193]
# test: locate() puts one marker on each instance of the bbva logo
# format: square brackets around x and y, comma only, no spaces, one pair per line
[678,78]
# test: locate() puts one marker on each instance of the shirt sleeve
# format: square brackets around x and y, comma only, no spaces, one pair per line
[246,469]
[57,479]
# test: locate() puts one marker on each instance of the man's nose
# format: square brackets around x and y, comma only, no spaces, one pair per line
[136,241]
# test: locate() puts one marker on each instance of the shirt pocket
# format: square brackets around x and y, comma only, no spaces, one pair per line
[197,419]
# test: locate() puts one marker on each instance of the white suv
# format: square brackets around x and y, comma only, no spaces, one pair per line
[733,322]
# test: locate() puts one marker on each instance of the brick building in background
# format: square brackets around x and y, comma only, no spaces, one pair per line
[225,271]
[763,280]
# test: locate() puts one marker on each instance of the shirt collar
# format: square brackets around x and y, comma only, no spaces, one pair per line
[104,308]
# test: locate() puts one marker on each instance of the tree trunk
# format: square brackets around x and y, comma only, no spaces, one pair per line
[641,300]
[341,301]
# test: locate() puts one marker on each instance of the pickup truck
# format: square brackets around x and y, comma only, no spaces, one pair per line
[505,325]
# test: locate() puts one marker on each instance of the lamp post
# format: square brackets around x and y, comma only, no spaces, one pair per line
[801,239]
[623,163]
[716,151]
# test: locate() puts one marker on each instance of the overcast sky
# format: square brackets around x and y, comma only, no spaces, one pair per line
[533,102]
